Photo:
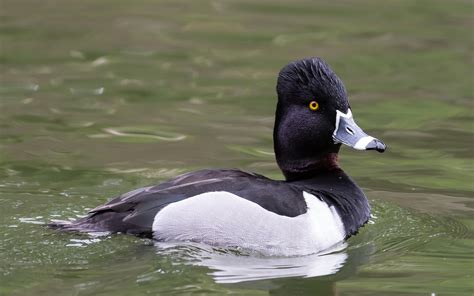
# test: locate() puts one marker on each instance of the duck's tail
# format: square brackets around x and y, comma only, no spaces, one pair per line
[64,225]
[58,224]
[101,223]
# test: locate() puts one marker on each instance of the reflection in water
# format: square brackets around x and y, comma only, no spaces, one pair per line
[230,266]
[235,269]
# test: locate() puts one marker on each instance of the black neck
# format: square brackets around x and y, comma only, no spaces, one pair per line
[308,169]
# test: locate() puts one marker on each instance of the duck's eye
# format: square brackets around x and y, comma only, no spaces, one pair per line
[313,105]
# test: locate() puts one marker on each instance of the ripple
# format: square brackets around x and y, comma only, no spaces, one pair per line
[396,231]
[87,91]
[144,133]
[252,151]
[82,242]
[19,88]
[32,220]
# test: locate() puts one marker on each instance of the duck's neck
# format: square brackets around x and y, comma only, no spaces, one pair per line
[294,171]
[302,150]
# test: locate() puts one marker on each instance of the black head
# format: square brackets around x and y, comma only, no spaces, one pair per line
[311,99]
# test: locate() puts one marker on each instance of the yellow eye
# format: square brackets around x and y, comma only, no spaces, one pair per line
[313,105]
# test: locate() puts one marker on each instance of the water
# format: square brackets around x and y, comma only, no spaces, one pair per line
[99,97]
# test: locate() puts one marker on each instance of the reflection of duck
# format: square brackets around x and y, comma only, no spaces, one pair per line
[255,272]
[315,208]
[228,267]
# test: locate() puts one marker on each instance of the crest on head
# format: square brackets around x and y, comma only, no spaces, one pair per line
[311,78]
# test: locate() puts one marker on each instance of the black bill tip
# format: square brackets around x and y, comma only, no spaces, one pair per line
[376,145]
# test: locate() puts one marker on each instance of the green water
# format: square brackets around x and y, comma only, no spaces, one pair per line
[100,97]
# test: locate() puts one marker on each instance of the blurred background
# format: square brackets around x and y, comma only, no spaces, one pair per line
[100,97]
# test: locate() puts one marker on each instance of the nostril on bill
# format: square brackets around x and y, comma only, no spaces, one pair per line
[349,130]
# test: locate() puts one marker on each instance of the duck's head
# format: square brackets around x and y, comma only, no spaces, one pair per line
[313,119]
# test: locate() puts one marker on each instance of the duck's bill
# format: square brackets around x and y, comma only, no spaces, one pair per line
[349,133]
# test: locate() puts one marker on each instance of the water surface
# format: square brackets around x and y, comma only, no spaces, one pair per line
[100,97]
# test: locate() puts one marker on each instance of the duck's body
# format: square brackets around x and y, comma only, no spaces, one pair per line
[316,207]
[232,208]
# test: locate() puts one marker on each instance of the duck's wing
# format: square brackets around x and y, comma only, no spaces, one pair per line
[135,211]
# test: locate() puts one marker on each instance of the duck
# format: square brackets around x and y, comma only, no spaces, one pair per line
[315,207]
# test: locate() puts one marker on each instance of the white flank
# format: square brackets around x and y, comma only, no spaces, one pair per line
[226,220]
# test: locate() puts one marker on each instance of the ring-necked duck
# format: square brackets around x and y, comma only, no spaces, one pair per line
[316,207]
